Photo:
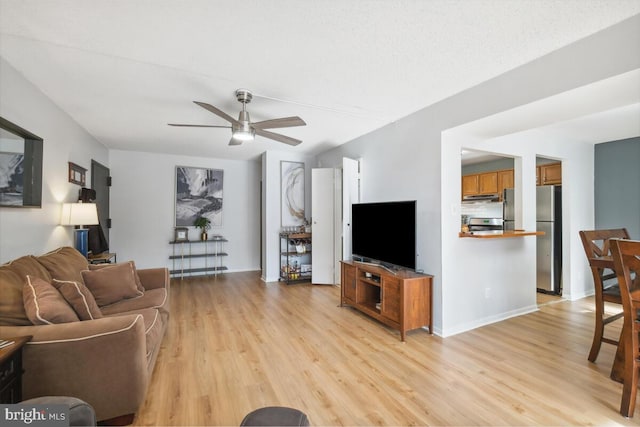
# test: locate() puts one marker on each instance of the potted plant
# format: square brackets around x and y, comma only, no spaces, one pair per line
[203,224]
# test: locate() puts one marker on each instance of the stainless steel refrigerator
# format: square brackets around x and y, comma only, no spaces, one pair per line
[549,246]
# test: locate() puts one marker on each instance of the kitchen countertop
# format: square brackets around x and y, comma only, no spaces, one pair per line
[499,234]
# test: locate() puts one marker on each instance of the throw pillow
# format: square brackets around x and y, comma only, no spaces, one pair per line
[113,284]
[44,304]
[80,298]
[131,263]
[64,263]
[12,311]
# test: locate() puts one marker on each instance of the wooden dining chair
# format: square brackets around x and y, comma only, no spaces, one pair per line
[596,245]
[626,260]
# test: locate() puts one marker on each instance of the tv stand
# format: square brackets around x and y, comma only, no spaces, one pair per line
[400,299]
[373,264]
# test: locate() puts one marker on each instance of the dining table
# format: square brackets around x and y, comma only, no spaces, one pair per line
[617,370]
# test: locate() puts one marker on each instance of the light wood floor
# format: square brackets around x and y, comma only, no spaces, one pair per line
[235,344]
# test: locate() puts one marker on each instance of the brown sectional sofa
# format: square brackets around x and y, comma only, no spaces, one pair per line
[105,361]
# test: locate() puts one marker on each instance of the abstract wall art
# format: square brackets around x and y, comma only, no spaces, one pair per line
[292,193]
[198,193]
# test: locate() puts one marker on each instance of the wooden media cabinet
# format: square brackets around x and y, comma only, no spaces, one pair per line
[401,300]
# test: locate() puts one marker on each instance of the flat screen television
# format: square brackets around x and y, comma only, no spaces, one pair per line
[384,233]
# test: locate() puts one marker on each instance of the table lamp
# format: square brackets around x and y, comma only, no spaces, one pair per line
[80,214]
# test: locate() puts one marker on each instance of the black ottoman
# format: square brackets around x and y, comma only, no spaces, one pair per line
[80,412]
[275,416]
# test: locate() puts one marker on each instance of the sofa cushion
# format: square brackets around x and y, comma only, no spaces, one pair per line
[44,304]
[12,280]
[112,284]
[133,266]
[29,265]
[79,297]
[64,263]
[12,311]
[153,298]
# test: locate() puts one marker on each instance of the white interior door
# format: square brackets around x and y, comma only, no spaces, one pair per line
[322,214]
[350,194]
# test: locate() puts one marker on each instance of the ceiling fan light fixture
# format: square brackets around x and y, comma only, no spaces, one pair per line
[243,135]
[244,129]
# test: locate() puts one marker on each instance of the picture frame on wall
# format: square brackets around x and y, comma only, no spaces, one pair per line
[77,174]
[291,193]
[181,234]
[198,194]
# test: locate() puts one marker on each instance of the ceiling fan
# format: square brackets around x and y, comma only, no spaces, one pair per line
[245,130]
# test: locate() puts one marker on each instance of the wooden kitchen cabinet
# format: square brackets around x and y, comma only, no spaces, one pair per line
[480,183]
[488,183]
[550,174]
[493,182]
[505,180]
[469,185]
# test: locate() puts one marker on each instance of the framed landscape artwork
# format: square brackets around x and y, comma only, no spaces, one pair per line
[198,193]
[291,193]
[11,179]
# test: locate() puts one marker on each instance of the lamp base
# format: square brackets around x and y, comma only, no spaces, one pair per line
[82,241]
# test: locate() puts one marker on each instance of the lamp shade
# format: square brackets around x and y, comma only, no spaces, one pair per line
[79,214]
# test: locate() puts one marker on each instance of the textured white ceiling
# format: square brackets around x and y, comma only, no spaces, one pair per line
[123,69]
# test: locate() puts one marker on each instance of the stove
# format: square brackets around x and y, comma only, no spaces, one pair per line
[485,224]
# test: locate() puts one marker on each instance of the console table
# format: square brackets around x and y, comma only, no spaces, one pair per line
[401,300]
[211,252]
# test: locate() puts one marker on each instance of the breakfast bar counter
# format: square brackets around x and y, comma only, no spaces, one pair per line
[499,234]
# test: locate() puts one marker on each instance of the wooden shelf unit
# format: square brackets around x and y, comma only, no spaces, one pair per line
[181,261]
[402,300]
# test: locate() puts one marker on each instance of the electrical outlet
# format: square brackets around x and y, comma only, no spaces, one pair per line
[487,293]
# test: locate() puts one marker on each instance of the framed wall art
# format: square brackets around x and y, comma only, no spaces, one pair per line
[181,234]
[77,174]
[291,193]
[20,167]
[11,178]
[198,193]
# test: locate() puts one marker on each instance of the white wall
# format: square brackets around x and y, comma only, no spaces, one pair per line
[407,160]
[271,207]
[501,273]
[35,230]
[143,208]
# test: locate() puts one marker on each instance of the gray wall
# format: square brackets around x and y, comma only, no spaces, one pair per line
[617,185]
[494,165]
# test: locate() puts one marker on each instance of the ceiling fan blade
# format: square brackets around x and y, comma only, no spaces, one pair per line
[234,141]
[217,112]
[198,126]
[278,137]
[284,122]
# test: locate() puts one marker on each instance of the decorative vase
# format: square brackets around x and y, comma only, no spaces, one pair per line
[204,236]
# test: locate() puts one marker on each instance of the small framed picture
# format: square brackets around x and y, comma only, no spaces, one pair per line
[77,174]
[181,234]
